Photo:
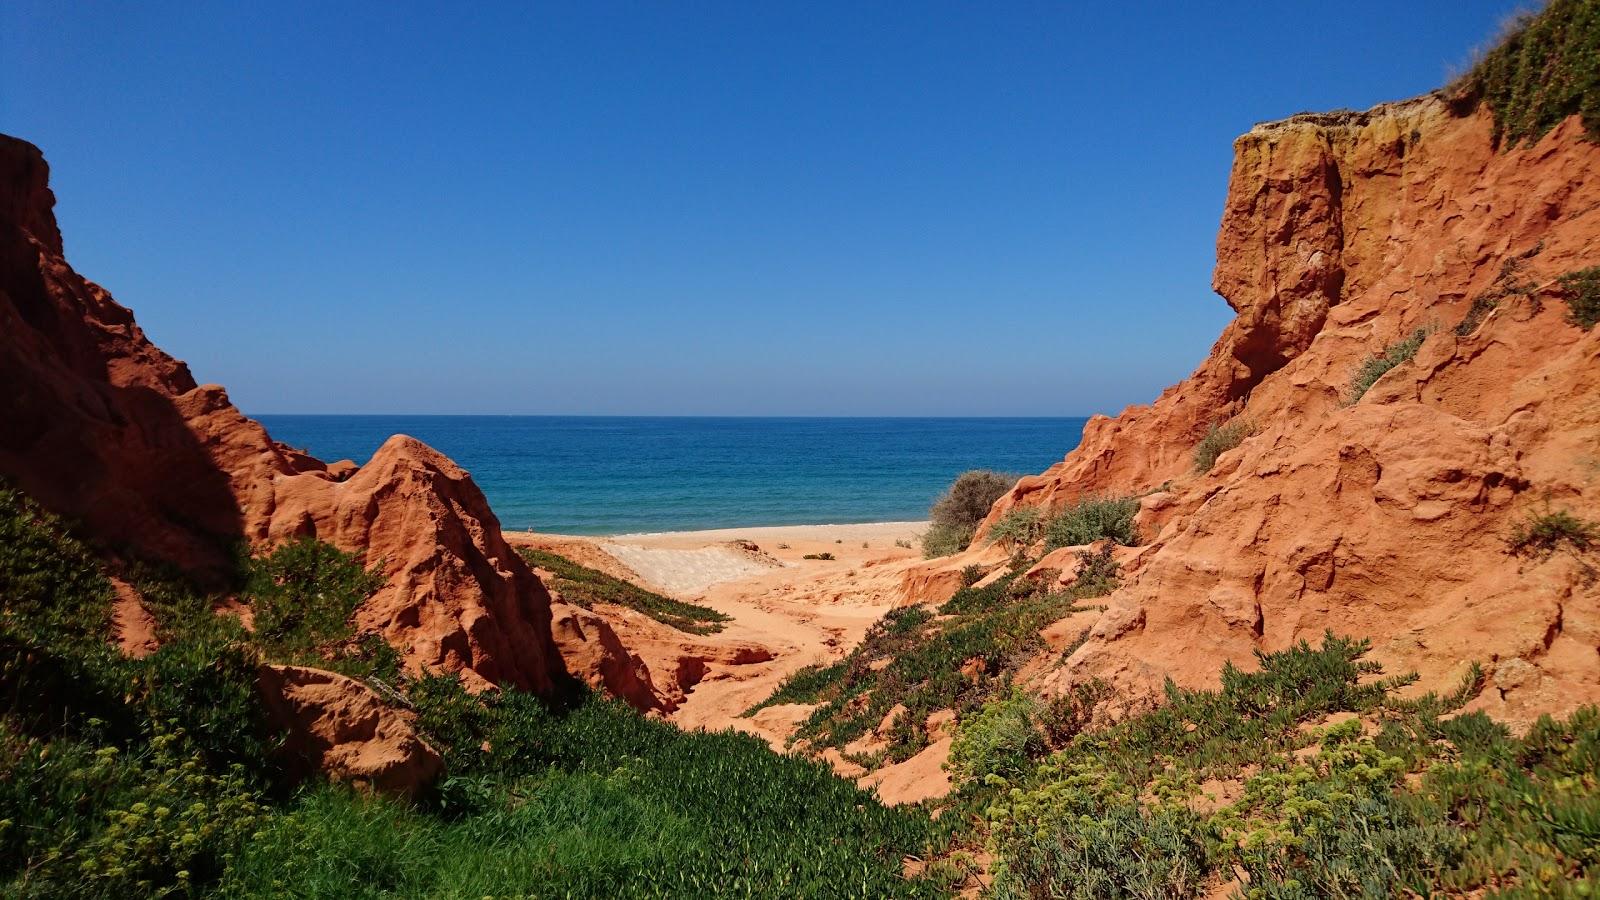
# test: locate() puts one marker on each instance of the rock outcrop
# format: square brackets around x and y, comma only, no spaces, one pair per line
[1386,518]
[341,728]
[103,427]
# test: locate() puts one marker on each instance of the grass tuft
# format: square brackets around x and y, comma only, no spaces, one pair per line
[1375,367]
[1219,439]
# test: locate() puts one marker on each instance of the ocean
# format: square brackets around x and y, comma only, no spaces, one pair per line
[614,475]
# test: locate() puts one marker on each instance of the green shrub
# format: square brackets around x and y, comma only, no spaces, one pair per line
[971,575]
[1394,801]
[303,593]
[1094,519]
[47,577]
[967,501]
[1019,527]
[583,586]
[1581,290]
[172,825]
[1546,69]
[1401,351]
[1219,439]
[944,540]
[1002,739]
[823,556]
[1541,535]
[1098,572]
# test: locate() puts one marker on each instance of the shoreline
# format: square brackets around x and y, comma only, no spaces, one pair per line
[780,532]
[713,531]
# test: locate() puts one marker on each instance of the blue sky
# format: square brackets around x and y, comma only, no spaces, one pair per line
[680,208]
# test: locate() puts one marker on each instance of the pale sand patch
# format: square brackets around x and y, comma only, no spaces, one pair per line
[686,573]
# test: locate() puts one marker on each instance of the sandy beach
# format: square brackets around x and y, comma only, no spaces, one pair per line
[801,610]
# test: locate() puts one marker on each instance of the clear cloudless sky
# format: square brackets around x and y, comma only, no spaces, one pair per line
[680,208]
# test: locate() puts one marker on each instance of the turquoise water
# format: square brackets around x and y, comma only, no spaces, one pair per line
[611,475]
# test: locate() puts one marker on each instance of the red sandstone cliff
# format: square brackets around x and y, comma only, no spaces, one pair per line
[102,426]
[1386,518]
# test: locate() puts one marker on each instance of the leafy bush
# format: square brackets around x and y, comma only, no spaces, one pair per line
[1094,519]
[1581,290]
[1401,351]
[817,556]
[967,501]
[971,575]
[46,576]
[1546,69]
[171,824]
[1098,572]
[944,540]
[1002,739]
[583,586]
[1018,528]
[1541,535]
[1219,439]
[956,514]
[304,592]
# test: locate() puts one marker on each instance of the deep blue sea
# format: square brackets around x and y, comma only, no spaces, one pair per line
[613,475]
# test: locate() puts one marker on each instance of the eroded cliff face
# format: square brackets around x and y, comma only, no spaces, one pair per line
[1386,518]
[103,427]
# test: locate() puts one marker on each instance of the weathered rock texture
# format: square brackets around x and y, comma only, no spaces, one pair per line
[103,427]
[1386,518]
[340,727]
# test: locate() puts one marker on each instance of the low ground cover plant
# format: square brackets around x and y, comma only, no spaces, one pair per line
[303,593]
[1338,787]
[583,586]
